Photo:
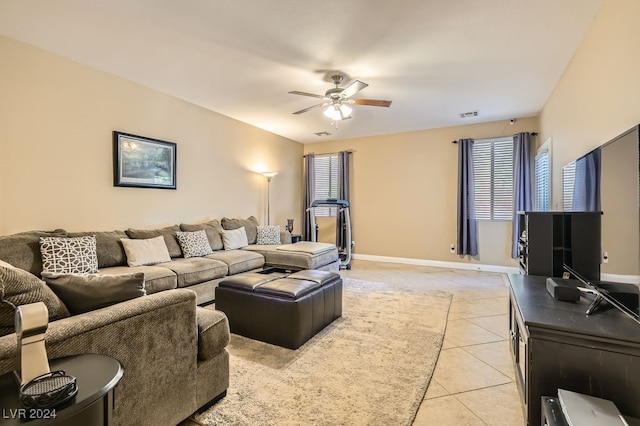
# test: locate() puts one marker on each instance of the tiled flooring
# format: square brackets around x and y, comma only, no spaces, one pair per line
[473,383]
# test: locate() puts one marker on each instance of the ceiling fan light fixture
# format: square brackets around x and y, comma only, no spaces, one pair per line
[337,112]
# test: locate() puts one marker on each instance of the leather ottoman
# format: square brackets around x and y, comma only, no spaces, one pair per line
[284,311]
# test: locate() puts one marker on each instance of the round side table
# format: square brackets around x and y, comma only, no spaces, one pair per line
[96,377]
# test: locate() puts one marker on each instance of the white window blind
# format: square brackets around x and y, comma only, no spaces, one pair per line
[326,182]
[568,182]
[493,176]
[542,184]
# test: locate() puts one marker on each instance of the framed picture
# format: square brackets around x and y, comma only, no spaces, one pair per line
[143,162]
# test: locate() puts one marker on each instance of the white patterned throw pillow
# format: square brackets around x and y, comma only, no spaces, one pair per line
[194,244]
[268,235]
[69,255]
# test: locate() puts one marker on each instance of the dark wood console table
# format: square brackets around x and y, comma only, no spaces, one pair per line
[555,345]
[96,376]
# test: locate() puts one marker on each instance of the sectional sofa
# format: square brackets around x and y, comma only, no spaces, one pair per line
[173,352]
[200,274]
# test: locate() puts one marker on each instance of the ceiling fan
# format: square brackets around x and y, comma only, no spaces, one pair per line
[337,99]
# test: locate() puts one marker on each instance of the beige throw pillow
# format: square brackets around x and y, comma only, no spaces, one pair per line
[146,251]
[250,226]
[234,239]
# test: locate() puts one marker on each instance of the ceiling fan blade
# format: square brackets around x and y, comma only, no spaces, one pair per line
[352,89]
[307,109]
[295,92]
[372,102]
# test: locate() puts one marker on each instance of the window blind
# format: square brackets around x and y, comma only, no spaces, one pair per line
[568,183]
[326,182]
[542,174]
[493,178]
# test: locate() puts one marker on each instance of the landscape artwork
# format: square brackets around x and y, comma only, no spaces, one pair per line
[143,162]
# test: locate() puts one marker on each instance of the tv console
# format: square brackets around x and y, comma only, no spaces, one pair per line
[554,344]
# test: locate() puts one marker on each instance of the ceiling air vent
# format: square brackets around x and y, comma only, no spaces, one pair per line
[468,114]
[322,134]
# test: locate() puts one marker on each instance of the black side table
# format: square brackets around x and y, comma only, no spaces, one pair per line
[295,238]
[96,377]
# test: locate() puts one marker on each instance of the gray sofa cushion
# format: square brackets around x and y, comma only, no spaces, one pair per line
[195,270]
[108,246]
[293,259]
[19,287]
[213,333]
[213,229]
[238,260]
[22,250]
[155,278]
[250,226]
[169,234]
[87,292]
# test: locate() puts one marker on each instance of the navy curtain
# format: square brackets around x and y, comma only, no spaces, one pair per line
[467,229]
[344,158]
[522,184]
[586,189]
[308,195]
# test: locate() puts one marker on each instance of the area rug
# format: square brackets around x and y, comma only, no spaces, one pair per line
[370,367]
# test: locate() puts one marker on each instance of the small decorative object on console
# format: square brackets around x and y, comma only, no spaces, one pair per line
[290,225]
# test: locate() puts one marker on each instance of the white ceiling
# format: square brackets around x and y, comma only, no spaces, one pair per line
[433,58]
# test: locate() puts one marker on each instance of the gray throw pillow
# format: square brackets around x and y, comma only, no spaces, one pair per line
[213,229]
[88,292]
[18,287]
[250,226]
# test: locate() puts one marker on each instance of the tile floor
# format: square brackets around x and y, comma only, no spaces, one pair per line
[473,383]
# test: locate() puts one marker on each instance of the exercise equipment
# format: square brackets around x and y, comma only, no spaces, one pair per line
[343,207]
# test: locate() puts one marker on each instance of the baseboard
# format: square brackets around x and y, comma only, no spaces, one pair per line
[630,279]
[438,263]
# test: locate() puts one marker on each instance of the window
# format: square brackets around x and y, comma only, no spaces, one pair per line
[326,182]
[493,176]
[568,182]
[542,179]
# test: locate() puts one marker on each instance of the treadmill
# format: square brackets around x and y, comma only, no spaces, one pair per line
[343,206]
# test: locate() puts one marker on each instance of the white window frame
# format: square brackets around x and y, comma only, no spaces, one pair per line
[493,187]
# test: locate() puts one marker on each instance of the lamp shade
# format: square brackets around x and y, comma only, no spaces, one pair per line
[269,175]
[338,112]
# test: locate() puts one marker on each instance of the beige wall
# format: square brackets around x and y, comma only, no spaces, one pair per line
[56,123]
[597,99]
[404,193]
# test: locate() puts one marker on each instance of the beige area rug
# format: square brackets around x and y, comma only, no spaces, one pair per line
[370,367]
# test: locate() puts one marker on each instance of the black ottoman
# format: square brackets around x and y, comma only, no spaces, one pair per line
[284,311]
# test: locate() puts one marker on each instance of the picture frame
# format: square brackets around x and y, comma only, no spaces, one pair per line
[143,162]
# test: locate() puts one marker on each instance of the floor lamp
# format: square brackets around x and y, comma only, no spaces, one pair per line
[268,175]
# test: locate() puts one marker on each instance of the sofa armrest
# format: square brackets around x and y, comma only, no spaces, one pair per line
[213,332]
[285,237]
[153,337]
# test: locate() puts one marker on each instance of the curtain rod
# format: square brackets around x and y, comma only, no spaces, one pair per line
[531,133]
